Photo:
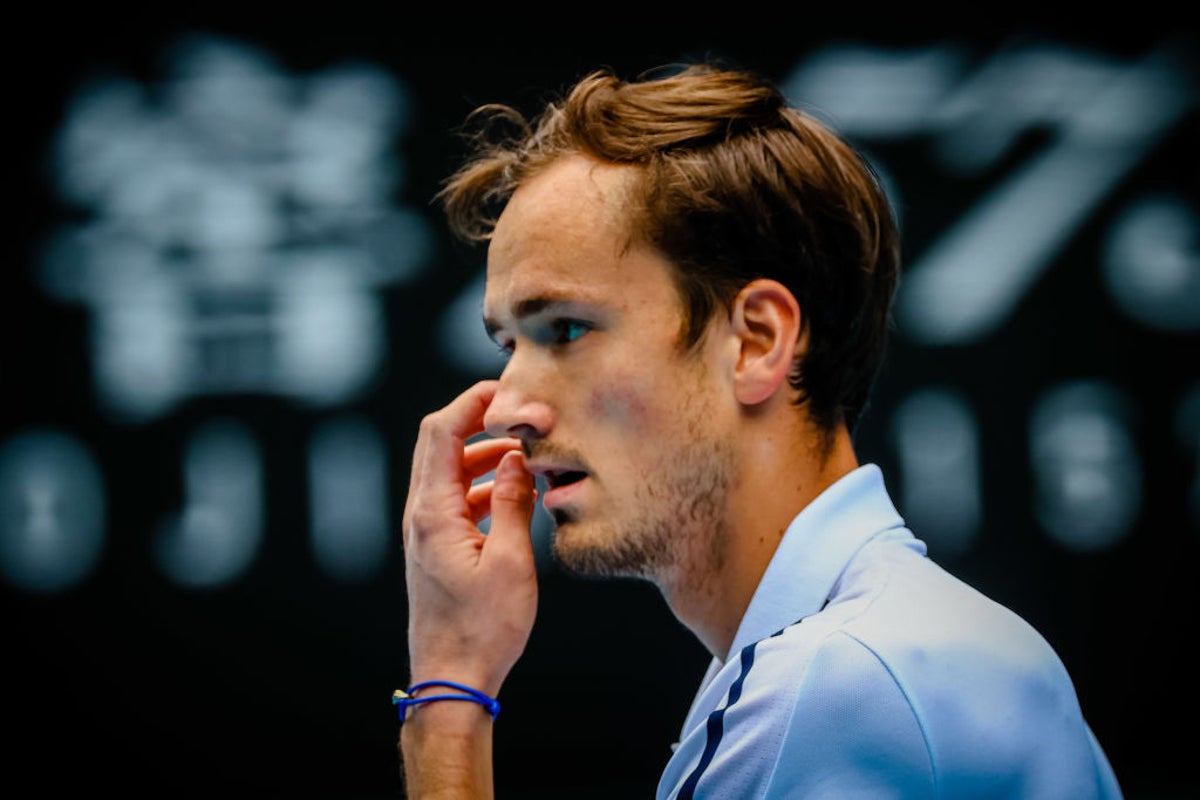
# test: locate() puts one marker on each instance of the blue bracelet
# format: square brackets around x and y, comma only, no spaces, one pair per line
[402,698]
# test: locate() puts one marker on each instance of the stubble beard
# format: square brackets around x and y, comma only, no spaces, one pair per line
[680,533]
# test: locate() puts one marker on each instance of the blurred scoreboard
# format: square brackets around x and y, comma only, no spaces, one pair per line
[236,303]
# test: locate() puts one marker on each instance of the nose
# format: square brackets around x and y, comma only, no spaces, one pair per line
[520,407]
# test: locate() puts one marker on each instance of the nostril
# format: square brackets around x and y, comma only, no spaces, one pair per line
[526,433]
[525,420]
[518,430]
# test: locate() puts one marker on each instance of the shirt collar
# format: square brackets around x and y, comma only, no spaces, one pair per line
[814,551]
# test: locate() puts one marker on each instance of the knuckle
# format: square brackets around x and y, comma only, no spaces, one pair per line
[431,423]
[417,518]
[511,492]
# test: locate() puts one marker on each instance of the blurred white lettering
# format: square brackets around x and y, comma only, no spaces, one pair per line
[1087,475]
[52,511]
[240,220]
[215,537]
[937,440]
[347,471]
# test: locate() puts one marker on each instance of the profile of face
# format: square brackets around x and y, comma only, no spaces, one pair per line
[630,431]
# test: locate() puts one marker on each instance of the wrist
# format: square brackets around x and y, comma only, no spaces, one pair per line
[479,680]
[446,749]
[441,691]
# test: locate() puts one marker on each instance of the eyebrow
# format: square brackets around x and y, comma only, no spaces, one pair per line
[525,308]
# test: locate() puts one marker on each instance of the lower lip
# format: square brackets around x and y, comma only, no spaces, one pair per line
[561,495]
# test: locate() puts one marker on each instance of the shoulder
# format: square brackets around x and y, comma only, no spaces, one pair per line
[908,683]
[799,710]
[911,670]
[854,721]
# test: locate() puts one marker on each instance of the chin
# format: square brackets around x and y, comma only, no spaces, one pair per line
[576,548]
[568,543]
[604,550]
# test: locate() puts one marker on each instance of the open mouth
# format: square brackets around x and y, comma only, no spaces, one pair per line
[555,500]
[556,479]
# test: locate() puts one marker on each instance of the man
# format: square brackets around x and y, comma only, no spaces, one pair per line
[693,284]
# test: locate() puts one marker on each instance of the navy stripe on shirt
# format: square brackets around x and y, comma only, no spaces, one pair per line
[714,730]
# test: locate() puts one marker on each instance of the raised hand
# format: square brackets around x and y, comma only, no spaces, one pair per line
[472,597]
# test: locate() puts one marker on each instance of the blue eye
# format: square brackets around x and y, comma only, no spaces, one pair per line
[568,330]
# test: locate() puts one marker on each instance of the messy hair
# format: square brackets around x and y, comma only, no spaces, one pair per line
[732,184]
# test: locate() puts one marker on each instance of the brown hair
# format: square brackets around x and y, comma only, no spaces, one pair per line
[735,185]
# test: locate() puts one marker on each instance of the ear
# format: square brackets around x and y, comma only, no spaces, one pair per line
[766,321]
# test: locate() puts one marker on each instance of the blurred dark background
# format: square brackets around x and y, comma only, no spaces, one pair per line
[229,301]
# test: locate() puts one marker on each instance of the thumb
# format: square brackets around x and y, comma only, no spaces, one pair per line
[512,501]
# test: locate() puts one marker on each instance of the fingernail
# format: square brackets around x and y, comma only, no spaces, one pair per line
[511,464]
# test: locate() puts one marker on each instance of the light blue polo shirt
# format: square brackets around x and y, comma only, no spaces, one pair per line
[863,669]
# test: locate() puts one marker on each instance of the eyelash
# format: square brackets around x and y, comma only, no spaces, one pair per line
[559,334]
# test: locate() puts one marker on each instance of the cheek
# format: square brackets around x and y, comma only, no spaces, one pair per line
[630,434]
[623,402]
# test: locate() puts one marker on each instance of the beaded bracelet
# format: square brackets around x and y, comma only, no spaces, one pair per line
[403,698]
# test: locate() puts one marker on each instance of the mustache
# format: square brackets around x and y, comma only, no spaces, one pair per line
[542,450]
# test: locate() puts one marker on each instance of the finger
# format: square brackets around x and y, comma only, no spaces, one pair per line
[444,433]
[512,499]
[479,500]
[439,451]
[482,457]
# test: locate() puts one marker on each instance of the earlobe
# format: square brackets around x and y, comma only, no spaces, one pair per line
[766,320]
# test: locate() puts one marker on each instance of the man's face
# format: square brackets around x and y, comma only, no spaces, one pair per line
[628,430]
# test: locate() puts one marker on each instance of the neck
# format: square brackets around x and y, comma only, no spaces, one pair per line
[777,477]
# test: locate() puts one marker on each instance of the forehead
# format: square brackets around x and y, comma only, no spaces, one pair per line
[563,233]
